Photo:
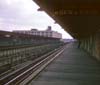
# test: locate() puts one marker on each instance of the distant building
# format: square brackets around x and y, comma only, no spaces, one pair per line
[46,33]
[67,40]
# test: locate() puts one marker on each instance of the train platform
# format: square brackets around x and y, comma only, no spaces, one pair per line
[73,67]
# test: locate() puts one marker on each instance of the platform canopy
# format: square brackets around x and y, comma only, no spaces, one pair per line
[80,18]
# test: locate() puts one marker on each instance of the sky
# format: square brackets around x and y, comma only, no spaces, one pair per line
[23,15]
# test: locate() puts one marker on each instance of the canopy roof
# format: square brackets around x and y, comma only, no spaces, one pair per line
[81,18]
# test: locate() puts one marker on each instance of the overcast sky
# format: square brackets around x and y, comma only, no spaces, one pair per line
[23,15]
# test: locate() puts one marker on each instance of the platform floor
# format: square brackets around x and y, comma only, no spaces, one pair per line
[73,67]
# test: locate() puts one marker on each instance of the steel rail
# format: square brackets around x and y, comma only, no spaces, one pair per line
[22,74]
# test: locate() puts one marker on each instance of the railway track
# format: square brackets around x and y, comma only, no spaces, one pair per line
[24,75]
[2,48]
